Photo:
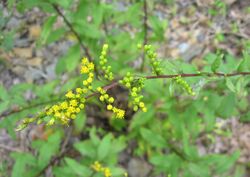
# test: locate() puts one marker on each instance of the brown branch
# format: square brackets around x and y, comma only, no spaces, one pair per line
[17,110]
[73,31]
[86,50]
[145,28]
[116,83]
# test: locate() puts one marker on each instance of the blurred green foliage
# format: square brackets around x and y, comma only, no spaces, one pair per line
[165,136]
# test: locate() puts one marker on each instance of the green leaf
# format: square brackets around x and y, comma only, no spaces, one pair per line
[86,148]
[47,148]
[141,118]
[47,28]
[154,139]
[3,93]
[104,147]
[79,122]
[4,105]
[227,106]
[22,160]
[217,62]
[77,168]
[56,35]
[245,62]
[230,84]
[70,60]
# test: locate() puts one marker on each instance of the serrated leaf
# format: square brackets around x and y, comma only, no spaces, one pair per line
[227,106]
[79,122]
[70,60]
[217,62]
[245,62]
[86,148]
[104,147]
[47,28]
[77,168]
[4,105]
[230,84]
[152,138]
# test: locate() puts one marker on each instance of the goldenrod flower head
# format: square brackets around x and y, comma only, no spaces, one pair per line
[111,100]
[81,106]
[107,172]
[73,103]
[64,105]
[106,69]
[78,90]
[119,113]
[85,61]
[109,107]
[97,166]
[70,94]
[91,66]
[84,69]
[51,122]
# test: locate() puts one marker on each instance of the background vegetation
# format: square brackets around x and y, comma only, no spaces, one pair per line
[180,134]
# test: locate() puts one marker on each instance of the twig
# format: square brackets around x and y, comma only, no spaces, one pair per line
[5,114]
[145,28]
[116,83]
[86,50]
[73,31]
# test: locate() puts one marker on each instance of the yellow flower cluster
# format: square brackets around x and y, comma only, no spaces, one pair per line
[103,62]
[75,101]
[184,85]
[104,97]
[88,68]
[153,61]
[66,110]
[99,168]
[135,87]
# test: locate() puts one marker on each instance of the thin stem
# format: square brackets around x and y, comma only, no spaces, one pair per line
[145,28]
[86,50]
[14,111]
[116,83]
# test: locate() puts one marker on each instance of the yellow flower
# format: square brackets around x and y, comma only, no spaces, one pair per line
[141,104]
[97,166]
[64,105]
[85,83]
[57,114]
[84,69]
[107,172]
[56,108]
[111,100]
[119,113]
[78,90]
[91,66]
[73,103]
[71,109]
[70,94]
[89,80]
[81,106]
[84,61]
[51,122]
[109,107]
[49,112]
